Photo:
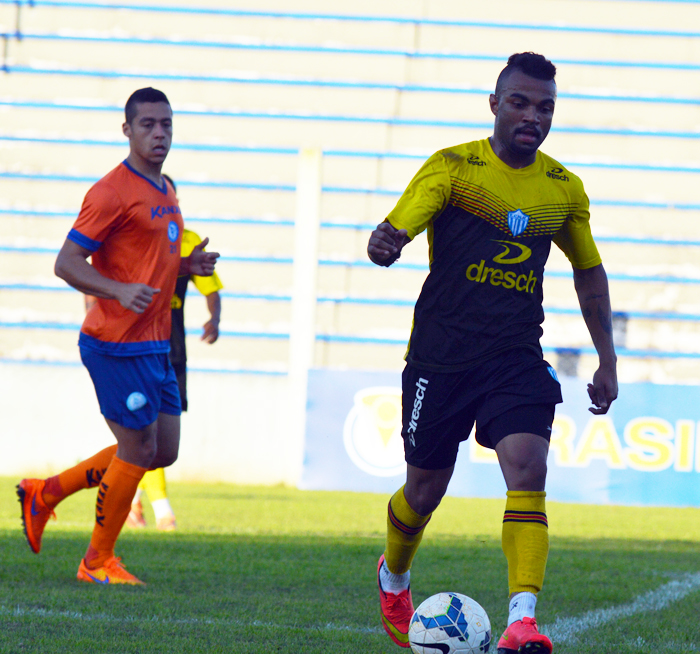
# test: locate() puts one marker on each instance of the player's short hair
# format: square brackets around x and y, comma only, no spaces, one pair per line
[170,179]
[529,63]
[139,97]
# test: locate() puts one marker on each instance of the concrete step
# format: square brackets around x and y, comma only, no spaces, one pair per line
[113,56]
[638,15]
[581,103]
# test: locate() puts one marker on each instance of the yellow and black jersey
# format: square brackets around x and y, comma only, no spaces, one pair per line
[490,229]
[205,285]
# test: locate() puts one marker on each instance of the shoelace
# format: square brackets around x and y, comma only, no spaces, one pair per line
[400,603]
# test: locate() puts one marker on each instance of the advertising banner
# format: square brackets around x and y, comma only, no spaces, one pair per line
[646,451]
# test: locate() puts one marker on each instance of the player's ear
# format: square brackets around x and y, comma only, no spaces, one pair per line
[126,129]
[493,103]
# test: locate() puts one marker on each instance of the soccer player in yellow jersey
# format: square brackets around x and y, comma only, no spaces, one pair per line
[492,209]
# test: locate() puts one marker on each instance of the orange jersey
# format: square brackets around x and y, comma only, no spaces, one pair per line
[134,230]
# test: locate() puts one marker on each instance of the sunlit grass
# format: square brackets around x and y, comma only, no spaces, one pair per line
[258,569]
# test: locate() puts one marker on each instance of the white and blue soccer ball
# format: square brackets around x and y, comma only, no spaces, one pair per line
[450,623]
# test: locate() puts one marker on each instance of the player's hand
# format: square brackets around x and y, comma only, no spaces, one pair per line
[211,331]
[136,297]
[603,390]
[385,244]
[202,263]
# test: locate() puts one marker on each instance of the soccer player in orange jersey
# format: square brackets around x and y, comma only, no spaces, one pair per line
[131,226]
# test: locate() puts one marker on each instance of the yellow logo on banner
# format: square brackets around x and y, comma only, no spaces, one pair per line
[372,431]
[653,444]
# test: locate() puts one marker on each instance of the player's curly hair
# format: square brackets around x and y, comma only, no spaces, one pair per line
[139,97]
[530,63]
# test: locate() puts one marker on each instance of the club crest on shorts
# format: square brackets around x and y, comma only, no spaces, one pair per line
[136,401]
[372,431]
[517,222]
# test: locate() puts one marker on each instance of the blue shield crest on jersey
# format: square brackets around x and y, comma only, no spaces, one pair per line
[173,231]
[517,221]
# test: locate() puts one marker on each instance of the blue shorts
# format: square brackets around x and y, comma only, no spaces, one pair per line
[513,392]
[132,391]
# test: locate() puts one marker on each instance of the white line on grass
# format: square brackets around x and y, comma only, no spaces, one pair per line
[566,629]
[19,612]
[563,629]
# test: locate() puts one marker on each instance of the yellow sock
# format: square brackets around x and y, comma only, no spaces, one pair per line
[153,483]
[525,540]
[404,533]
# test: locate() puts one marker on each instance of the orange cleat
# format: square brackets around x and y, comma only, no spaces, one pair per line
[396,611]
[522,637]
[35,513]
[112,572]
[135,518]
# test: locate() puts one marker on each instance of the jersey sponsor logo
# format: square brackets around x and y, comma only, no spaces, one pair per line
[372,431]
[525,252]
[173,231]
[421,385]
[481,273]
[159,212]
[517,221]
[475,161]
[557,173]
[512,253]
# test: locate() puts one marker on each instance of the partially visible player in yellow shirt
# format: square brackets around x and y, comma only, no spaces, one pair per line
[153,482]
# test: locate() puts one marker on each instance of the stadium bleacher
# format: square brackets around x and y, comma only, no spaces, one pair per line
[377,89]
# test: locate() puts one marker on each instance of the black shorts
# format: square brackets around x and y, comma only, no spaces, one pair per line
[514,392]
[181,375]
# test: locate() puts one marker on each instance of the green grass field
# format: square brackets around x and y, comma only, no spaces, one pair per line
[258,569]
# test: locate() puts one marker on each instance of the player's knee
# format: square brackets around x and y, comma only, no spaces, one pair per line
[147,452]
[167,460]
[527,475]
[165,457]
[424,498]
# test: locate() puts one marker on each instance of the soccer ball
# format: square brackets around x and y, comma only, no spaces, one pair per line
[450,623]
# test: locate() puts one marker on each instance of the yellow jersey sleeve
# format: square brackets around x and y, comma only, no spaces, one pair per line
[575,240]
[205,285]
[425,197]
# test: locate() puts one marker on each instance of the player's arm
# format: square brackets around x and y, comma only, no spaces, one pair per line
[211,327]
[199,262]
[72,266]
[594,298]
[424,198]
